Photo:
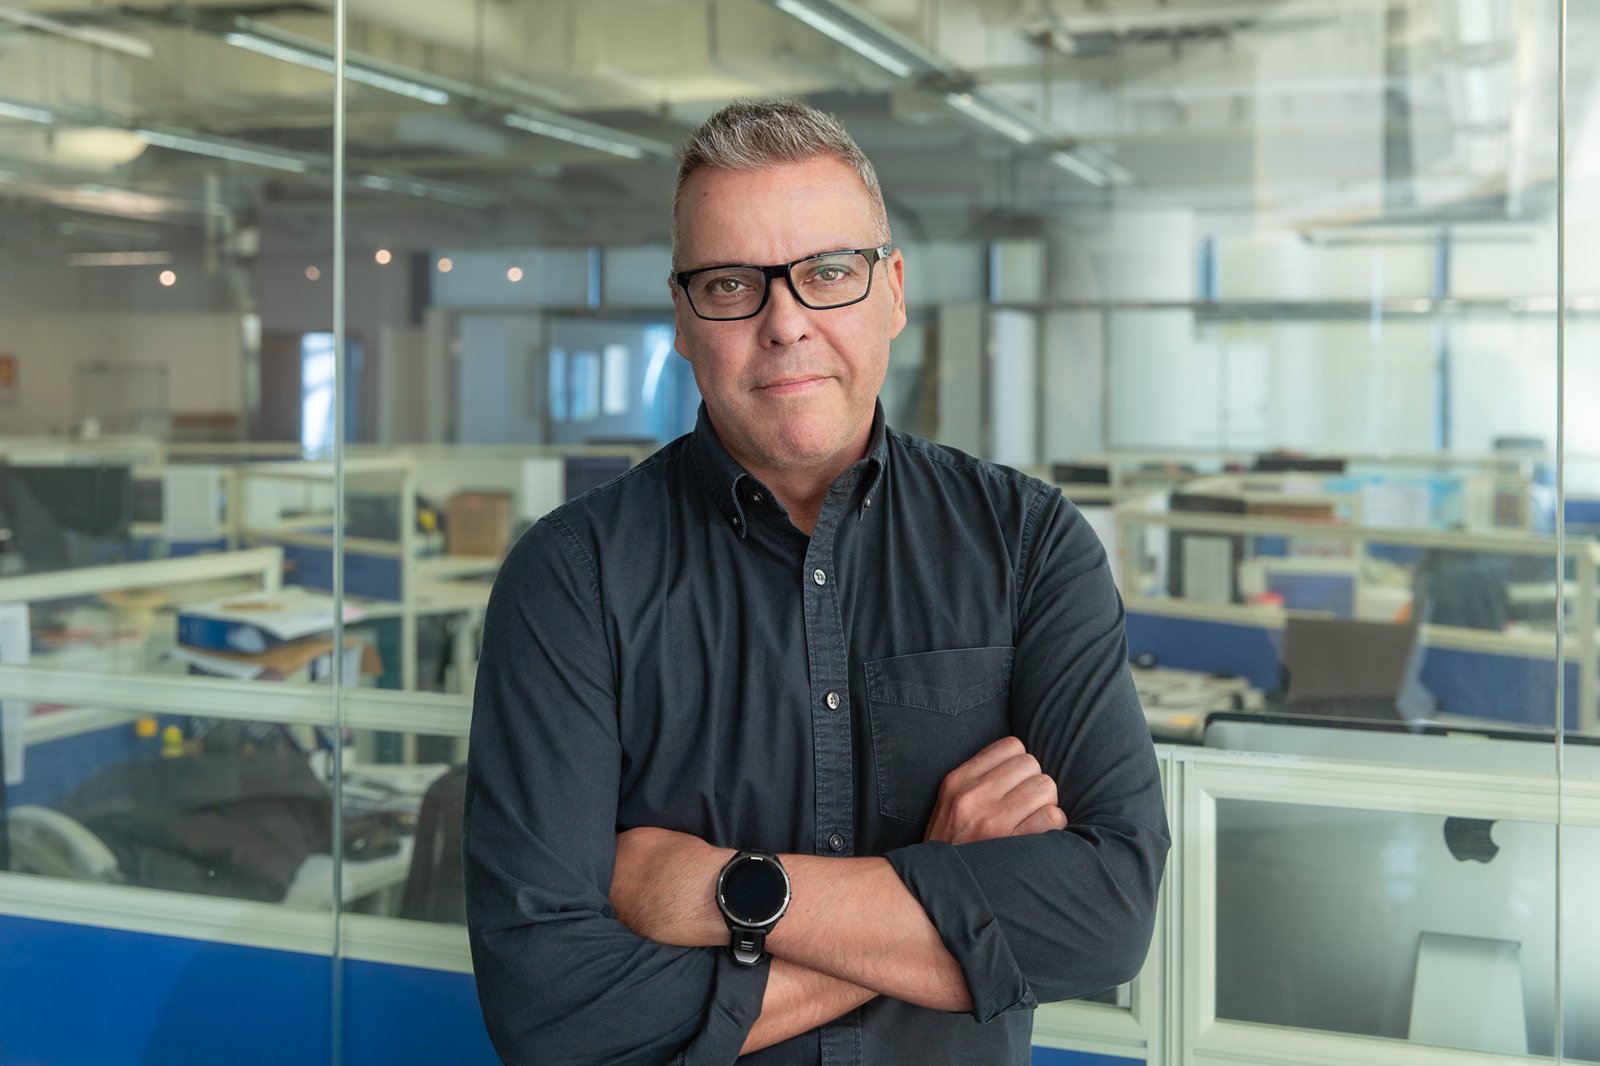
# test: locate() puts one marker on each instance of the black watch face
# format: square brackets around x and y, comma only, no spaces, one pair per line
[754,891]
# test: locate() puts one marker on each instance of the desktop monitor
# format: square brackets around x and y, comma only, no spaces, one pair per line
[1345,668]
[1302,464]
[64,516]
[1080,474]
[1325,915]
[584,472]
[1205,566]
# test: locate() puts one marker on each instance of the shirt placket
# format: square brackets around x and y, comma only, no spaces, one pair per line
[833,762]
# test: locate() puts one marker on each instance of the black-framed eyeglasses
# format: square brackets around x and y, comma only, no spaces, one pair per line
[820,282]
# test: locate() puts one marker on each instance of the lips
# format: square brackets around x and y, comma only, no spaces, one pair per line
[790,386]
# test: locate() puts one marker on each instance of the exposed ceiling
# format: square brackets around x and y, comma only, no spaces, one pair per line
[552,121]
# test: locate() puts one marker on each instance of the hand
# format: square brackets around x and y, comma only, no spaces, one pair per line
[663,886]
[999,792]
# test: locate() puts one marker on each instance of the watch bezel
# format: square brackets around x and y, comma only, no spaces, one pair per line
[742,858]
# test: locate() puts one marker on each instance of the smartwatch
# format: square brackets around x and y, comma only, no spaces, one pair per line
[752,894]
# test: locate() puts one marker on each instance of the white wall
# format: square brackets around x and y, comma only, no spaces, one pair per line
[498,399]
[201,353]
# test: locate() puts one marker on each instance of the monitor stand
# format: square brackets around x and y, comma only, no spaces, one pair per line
[1468,994]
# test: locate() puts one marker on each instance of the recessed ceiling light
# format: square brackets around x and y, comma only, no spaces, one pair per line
[168,278]
[446,265]
[383,256]
[312,273]
[514,274]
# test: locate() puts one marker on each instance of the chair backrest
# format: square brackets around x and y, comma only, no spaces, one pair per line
[433,891]
[45,841]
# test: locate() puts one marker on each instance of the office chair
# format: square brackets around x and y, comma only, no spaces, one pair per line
[45,841]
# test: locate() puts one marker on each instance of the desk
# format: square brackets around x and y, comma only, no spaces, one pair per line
[312,886]
[1177,702]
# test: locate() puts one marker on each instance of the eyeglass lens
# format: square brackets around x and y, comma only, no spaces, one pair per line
[822,281]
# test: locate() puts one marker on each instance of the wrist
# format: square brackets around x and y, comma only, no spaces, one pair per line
[752,895]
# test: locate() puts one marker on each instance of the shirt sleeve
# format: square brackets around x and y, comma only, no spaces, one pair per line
[560,979]
[1070,912]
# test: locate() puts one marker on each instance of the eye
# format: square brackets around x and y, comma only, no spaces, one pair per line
[726,286]
[830,273]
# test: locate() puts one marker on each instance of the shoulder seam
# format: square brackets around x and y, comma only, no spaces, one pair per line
[1026,555]
[575,549]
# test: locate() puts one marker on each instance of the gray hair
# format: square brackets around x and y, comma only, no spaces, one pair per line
[755,134]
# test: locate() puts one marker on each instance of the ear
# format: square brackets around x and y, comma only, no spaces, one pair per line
[895,268]
[680,309]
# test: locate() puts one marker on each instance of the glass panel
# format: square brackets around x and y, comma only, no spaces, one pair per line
[1580,508]
[164,195]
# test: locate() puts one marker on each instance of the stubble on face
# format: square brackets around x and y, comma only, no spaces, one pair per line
[791,392]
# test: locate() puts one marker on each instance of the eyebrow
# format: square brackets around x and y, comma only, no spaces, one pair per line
[708,263]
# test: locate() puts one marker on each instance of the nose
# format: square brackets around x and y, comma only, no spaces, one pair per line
[785,320]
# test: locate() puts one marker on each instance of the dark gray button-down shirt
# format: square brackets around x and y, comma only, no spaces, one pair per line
[669,650]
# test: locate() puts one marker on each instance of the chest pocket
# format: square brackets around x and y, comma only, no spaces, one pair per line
[930,713]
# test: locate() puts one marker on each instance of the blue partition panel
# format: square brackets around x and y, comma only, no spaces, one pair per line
[1246,651]
[1505,688]
[73,995]
[395,1015]
[1508,688]
[1049,1056]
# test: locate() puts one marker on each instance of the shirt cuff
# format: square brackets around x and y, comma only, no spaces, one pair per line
[736,995]
[939,879]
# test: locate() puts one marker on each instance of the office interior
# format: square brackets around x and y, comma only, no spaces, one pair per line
[1295,299]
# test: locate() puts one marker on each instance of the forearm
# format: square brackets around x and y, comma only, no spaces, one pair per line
[799,1000]
[854,920]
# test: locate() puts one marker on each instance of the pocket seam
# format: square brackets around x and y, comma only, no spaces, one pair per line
[931,698]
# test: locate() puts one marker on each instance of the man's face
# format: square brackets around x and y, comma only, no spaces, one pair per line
[792,389]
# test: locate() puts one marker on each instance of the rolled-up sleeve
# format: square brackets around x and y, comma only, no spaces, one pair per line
[1070,912]
[560,979]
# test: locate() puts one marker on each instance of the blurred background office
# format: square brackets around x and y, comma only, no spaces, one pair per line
[1296,299]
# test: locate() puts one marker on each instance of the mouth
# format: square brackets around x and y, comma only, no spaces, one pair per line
[791,386]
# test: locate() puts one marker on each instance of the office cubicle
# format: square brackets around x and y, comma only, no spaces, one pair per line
[1165,239]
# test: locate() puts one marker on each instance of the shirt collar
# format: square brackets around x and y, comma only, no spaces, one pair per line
[723,477]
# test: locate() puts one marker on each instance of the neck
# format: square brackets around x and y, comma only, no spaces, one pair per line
[802,489]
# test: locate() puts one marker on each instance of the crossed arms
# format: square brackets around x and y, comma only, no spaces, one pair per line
[853,930]
[997,909]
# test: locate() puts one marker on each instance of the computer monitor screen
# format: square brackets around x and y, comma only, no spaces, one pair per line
[1205,566]
[65,515]
[584,472]
[1346,668]
[1305,464]
[1323,913]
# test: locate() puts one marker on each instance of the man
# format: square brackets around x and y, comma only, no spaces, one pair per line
[892,673]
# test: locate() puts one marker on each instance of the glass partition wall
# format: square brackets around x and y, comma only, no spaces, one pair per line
[1287,297]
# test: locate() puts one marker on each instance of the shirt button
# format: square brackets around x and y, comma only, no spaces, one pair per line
[835,842]
[833,701]
[819,577]
[755,497]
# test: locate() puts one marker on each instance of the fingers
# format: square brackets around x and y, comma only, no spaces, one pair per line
[994,794]
[986,760]
[1041,821]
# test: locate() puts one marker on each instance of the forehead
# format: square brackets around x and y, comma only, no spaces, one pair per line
[773,214]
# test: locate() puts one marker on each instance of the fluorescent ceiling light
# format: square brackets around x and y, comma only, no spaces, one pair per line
[1073,165]
[987,114]
[848,36]
[312,59]
[117,42]
[118,259]
[232,151]
[26,113]
[564,130]
[431,190]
